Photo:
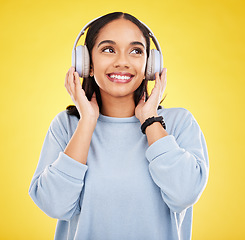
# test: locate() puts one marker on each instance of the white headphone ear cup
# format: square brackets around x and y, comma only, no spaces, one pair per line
[79,57]
[86,62]
[82,61]
[157,61]
[149,67]
[153,64]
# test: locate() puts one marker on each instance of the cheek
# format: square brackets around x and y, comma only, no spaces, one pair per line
[100,66]
[141,67]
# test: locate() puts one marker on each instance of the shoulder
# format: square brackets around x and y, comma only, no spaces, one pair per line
[175,113]
[178,119]
[64,122]
[60,119]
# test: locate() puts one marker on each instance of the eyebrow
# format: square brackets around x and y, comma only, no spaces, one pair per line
[114,43]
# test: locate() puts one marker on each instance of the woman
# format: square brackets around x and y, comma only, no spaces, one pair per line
[98,173]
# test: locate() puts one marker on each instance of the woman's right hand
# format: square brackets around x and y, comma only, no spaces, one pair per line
[87,109]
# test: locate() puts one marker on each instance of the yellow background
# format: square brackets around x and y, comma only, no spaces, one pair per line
[203,48]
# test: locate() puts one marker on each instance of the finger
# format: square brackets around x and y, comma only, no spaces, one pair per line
[161,79]
[69,72]
[74,84]
[157,76]
[77,83]
[157,82]
[78,90]
[164,73]
[66,83]
[164,79]
[156,91]
[66,78]
[70,78]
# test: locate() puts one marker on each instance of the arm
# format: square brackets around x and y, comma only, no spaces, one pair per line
[179,162]
[179,165]
[79,144]
[59,178]
[58,181]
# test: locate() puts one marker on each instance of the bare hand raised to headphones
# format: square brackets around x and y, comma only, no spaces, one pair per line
[87,109]
[148,109]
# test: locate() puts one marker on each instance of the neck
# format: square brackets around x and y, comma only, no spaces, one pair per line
[120,107]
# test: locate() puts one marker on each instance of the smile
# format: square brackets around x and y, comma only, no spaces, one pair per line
[119,77]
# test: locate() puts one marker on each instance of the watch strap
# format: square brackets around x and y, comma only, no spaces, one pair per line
[150,121]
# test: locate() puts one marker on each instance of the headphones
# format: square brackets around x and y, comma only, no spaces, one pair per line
[81,59]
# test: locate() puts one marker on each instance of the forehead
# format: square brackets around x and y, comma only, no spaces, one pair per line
[121,30]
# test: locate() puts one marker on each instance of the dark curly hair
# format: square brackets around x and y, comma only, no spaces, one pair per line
[89,85]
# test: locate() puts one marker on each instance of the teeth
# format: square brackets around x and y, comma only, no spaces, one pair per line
[119,77]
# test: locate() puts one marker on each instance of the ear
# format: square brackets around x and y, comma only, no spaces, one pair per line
[91,71]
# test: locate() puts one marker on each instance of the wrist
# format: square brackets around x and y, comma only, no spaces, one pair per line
[150,121]
[88,121]
[146,116]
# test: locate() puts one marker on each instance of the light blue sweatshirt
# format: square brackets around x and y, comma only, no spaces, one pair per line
[128,190]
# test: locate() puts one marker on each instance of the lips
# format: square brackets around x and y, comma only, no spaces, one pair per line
[120,77]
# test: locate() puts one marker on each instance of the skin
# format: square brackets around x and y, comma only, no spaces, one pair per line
[117,98]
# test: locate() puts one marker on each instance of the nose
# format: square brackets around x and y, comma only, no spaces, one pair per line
[121,61]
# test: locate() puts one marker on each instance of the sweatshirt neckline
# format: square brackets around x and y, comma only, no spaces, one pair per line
[104,118]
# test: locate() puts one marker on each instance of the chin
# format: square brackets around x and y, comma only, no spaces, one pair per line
[119,93]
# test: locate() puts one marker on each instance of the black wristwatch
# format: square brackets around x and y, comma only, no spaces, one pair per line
[151,120]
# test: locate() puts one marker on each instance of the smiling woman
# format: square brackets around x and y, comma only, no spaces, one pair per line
[116,165]
[95,28]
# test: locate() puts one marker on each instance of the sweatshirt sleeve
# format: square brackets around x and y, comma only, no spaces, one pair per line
[179,164]
[58,180]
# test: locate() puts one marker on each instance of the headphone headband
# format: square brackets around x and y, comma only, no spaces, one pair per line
[81,58]
[150,34]
[83,30]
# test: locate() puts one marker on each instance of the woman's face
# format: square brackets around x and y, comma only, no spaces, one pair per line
[119,59]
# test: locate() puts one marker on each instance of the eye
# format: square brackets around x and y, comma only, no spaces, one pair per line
[108,50]
[137,51]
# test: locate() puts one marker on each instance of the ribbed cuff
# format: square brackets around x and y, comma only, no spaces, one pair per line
[69,166]
[161,146]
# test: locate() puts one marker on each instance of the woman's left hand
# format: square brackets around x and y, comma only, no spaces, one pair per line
[148,109]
